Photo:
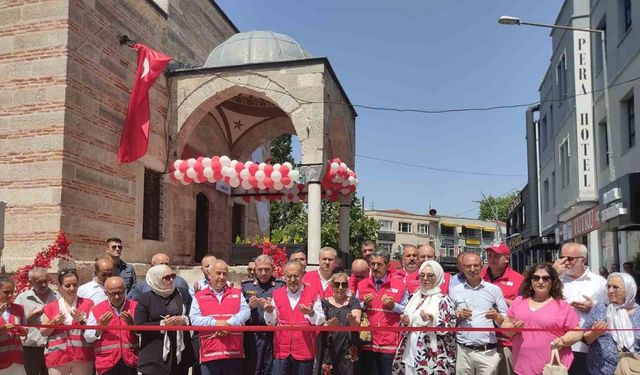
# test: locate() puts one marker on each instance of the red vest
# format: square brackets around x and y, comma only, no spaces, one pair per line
[229,346]
[444,287]
[64,346]
[313,278]
[353,287]
[300,345]
[411,280]
[381,341]
[10,343]
[114,345]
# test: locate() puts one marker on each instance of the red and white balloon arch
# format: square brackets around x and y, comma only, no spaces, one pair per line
[263,181]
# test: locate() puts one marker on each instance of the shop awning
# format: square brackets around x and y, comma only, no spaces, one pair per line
[489,229]
[448,225]
[470,226]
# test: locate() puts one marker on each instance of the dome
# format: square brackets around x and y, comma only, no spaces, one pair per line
[255,47]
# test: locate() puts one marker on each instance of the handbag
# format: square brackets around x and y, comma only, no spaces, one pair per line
[628,363]
[554,367]
[365,336]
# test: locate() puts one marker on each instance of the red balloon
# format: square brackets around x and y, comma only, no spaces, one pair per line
[217,176]
[216,166]
[300,187]
[286,180]
[198,167]
[253,168]
[246,198]
[239,167]
[199,159]
[268,182]
[284,171]
[215,158]
[187,179]
[226,180]
[268,169]
[183,167]
[253,182]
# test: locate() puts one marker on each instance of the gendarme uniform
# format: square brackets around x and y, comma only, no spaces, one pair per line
[258,346]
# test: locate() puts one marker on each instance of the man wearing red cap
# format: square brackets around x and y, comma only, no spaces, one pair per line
[499,272]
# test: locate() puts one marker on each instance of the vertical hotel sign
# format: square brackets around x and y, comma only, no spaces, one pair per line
[584,115]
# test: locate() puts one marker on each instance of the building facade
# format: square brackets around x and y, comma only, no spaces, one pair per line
[447,234]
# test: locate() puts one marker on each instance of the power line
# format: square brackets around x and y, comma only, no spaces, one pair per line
[436,169]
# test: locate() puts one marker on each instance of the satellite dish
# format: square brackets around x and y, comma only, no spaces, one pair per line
[433,212]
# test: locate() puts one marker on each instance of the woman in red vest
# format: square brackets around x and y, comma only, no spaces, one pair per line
[11,361]
[67,352]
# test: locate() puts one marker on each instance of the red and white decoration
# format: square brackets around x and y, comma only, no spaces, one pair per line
[248,175]
[262,181]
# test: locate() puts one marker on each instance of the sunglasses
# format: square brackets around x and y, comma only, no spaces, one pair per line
[537,278]
[69,271]
[570,259]
[169,277]
[344,284]
[429,276]
[116,247]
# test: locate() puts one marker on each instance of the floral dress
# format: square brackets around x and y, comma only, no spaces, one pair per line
[338,350]
[442,361]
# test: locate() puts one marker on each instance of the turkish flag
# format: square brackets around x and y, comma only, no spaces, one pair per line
[135,134]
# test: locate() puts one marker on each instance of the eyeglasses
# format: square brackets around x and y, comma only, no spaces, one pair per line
[537,278]
[68,271]
[344,284]
[116,247]
[429,276]
[570,259]
[169,277]
[115,293]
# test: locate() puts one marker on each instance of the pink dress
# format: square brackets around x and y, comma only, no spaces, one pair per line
[532,350]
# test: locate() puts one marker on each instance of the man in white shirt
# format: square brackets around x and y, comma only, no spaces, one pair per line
[583,289]
[319,279]
[205,266]
[296,304]
[94,289]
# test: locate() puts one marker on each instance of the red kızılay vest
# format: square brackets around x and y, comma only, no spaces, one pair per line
[230,346]
[411,280]
[313,278]
[10,343]
[64,346]
[382,341]
[114,345]
[300,345]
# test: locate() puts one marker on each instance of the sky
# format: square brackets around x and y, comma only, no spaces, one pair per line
[432,55]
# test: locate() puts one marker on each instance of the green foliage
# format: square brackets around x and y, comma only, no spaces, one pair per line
[281,213]
[500,204]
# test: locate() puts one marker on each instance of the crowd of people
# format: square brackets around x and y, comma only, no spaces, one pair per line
[553,298]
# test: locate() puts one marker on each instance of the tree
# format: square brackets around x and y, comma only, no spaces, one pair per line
[499,204]
[281,213]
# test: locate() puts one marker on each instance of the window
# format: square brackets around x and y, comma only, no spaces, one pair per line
[386,225]
[546,195]
[469,232]
[564,163]
[626,13]
[237,222]
[628,120]
[488,235]
[152,205]
[404,227]
[543,133]
[597,45]
[423,228]
[603,147]
[386,246]
[551,130]
[446,230]
[553,189]
[524,214]
[561,77]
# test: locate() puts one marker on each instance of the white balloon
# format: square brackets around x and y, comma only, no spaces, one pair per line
[260,176]
[191,172]
[206,162]
[244,174]
[288,165]
[261,185]
[246,185]
[335,166]
[191,162]
[208,172]
[345,191]
[277,185]
[234,182]
[261,166]
[176,164]
[290,185]
[183,182]
[295,175]
[211,179]
[225,161]
[233,164]
[352,179]
[178,175]
[343,165]
[197,180]
[276,176]
[345,183]
[232,173]
[276,166]
[248,163]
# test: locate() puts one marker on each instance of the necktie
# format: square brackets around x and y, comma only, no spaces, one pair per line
[378,284]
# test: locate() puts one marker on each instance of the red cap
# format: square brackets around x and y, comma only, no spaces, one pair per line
[499,248]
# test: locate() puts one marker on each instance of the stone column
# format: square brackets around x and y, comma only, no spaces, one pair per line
[343,225]
[314,222]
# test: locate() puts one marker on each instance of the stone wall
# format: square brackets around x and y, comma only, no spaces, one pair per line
[62,105]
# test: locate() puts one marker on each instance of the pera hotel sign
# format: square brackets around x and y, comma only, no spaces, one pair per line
[584,115]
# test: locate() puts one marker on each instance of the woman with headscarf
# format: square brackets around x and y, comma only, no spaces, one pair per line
[620,312]
[427,352]
[164,352]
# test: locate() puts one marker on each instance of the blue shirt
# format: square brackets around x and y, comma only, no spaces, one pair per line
[398,308]
[602,357]
[127,272]
[195,315]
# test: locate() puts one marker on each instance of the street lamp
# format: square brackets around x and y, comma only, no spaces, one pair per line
[508,20]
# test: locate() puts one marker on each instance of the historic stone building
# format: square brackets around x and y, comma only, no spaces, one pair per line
[64,91]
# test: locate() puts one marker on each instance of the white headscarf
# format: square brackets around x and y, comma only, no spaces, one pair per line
[617,315]
[154,280]
[427,300]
